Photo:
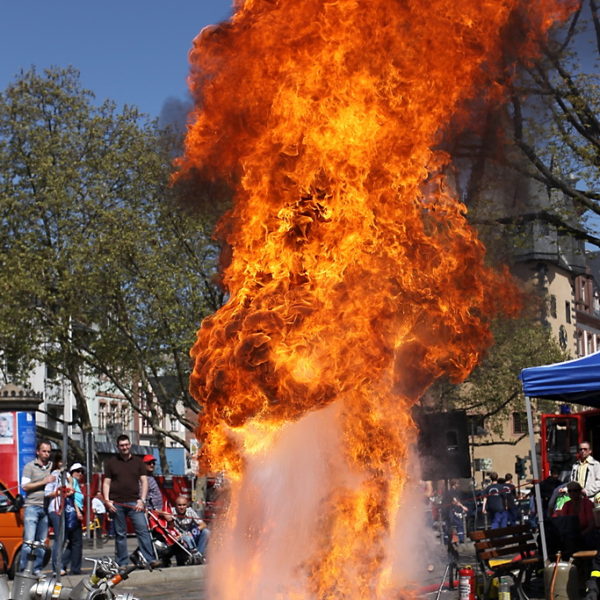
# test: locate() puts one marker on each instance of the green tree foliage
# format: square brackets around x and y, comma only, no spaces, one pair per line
[100,273]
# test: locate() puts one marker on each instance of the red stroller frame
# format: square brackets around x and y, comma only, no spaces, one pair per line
[168,542]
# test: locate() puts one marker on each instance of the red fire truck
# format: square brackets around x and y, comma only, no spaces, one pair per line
[561,434]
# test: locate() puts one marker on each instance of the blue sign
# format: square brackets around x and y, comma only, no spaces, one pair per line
[25,440]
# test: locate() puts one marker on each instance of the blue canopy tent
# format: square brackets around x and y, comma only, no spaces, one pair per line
[574,381]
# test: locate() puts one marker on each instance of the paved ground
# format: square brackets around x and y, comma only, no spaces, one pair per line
[180,589]
[187,583]
[173,583]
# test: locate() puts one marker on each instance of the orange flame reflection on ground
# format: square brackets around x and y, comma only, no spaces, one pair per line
[354,278]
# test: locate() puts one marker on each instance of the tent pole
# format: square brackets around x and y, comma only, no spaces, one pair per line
[536,478]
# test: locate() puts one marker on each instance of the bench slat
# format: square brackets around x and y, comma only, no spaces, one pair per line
[516,550]
[499,542]
[481,534]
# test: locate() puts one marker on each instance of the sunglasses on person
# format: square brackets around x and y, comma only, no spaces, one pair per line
[77,471]
[152,462]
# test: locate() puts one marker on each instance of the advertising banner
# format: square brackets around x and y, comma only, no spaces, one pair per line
[17,446]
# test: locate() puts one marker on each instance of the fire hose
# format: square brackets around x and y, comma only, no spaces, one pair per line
[106,574]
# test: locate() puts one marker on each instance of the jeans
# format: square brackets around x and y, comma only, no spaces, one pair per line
[514,516]
[140,525]
[35,529]
[499,519]
[202,541]
[198,538]
[455,522]
[74,549]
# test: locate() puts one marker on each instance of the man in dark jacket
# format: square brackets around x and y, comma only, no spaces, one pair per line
[547,488]
[493,503]
[509,493]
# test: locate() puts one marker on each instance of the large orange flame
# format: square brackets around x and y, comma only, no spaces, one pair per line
[354,278]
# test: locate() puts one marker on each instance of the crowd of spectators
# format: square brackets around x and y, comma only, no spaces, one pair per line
[55,497]
[570,506]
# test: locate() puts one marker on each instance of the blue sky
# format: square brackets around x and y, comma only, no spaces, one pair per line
[132,51]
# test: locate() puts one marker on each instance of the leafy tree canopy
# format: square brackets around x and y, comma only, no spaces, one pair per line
[100,272]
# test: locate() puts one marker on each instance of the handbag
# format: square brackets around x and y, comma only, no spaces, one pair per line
[71,520]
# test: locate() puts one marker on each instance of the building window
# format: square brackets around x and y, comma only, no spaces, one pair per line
[126,416]
[173,421]
[553,306]
[563,338]
[476,425]
[54,418]
[102,415]
[51,372]
[519,422]
[568,311]
[146,426]
[113,416]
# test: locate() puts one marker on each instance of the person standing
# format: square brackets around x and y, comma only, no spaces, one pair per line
[586,471]
[125,490]
[454,511]
[57,494]
[509,493]
[67,500]
[74,521]
[155,499]
[547,489]
[36,475]
[99,511]
[493,503]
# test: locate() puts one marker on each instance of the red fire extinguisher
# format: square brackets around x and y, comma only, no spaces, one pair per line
[467,584]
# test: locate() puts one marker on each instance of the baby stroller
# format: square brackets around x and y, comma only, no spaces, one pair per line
[168,542]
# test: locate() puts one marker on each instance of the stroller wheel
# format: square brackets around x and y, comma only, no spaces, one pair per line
[196,559]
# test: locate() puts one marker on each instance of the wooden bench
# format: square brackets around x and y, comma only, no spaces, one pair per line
[509,551]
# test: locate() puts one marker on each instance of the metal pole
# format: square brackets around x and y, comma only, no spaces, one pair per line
[536,478]
[89,449]
[60,534]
